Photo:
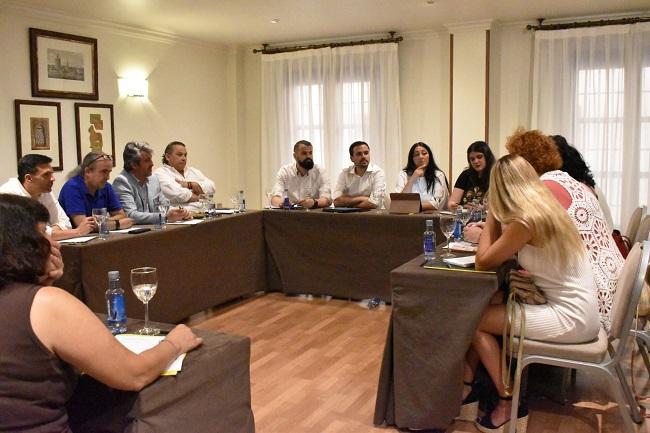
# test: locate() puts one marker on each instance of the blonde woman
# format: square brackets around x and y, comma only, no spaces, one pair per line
[526,219]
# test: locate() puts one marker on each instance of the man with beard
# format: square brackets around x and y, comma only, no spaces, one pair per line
[139,191]
[361,184]
[35,180]
[306,182]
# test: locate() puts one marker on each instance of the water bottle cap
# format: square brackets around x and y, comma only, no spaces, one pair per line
[429,223]
[113,275]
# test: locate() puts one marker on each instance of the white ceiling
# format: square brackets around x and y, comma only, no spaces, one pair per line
[248,22]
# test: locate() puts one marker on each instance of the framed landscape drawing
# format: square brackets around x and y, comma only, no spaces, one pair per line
[95,129]
[38,130]
[63,65]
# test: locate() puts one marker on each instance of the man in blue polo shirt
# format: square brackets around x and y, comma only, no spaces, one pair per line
[88,188]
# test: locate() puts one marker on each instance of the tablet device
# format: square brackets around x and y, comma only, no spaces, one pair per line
[405,202]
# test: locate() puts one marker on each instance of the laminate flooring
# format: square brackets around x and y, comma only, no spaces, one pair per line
[315,368]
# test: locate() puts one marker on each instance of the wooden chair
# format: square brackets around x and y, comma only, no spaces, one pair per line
[600,356]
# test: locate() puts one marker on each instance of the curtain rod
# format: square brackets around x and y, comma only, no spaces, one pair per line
[582,24]
[266,50]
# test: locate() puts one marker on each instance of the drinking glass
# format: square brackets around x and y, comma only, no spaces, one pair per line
[100,215]
[447,225]
[378,197]
[234,199]
[269,196]
[144,282]
[162,205]
[465,217]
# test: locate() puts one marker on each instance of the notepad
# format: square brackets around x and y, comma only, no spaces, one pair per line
[463,246]
[463,262]
[77,240]
[139,343]
[186,222]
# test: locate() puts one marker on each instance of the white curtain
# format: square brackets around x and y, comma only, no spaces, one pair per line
[331,97]
[592,86]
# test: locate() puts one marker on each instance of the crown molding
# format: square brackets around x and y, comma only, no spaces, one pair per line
[469,26]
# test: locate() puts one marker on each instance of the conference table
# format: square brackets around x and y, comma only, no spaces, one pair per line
[434,315]
[203,265]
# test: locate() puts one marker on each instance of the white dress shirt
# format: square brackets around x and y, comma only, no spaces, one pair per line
[57,214]
[438,198]
[315,184]
[371,184]
[173,190]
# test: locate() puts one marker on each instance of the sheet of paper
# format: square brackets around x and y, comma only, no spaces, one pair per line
[78,240]
[463,246]
[225,211]
[187,222]
[464,262]
[122,230]
[139,343]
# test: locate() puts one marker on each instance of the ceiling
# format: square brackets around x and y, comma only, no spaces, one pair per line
[248,22]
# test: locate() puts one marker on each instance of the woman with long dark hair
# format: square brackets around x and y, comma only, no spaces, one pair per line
[47,335]
[422,175]
[473,182]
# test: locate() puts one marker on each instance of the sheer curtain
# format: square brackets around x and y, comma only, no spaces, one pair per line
[592,85]
[331,97]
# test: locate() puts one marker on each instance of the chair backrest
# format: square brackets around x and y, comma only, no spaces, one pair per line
[628,290]
[644,230]
[633,223]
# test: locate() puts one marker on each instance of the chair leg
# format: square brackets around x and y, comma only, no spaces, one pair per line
[643,348]
[627,392]
[615,386]
[515,397]
[566,379]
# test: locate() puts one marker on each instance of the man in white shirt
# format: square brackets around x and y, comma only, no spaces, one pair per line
[181,185]
[306,182]
[362,184]
[35,180]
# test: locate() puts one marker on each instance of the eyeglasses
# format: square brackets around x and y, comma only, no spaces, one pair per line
[97,158]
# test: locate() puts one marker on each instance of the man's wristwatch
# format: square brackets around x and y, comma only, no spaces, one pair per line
[315,205]
[117,224]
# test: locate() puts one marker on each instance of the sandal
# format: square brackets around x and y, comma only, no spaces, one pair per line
[485,424]
[469,406]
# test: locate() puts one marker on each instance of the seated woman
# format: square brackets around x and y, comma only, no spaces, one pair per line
[581,203]
[473,183]
[422,175]
[524,218]
[47,335]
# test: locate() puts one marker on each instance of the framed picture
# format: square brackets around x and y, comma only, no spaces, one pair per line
[95,129]
[38,130]
[62,65]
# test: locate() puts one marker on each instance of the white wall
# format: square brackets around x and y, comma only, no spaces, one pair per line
[191,93]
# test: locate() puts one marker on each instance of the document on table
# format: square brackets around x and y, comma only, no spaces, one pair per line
[225,211]
[186,222]
[463,262]
[122,230]
[139,343]
[77,240]
[463,246]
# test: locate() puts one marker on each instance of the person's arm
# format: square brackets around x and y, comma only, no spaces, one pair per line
[178,214]
[419,172]
[456,197]
[345,200]
[472,232]
[70,330]
[278,188]
[440,192]
[118,220]
[494,247]
[172,189]
[86,225]
[206,186]
[324,191]
[126,195]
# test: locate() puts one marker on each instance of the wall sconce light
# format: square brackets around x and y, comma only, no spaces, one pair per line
[137,87]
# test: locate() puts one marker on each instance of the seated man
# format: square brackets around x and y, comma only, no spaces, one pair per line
[182,185]
[139,191]
[35,180]
[88,188]
[306,182]
[362,184]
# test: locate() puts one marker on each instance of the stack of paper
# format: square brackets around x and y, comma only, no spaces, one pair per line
[139,343]
[463,262]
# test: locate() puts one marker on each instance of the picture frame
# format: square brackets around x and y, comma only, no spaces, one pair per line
[63,65]
[95,129]
[38,130]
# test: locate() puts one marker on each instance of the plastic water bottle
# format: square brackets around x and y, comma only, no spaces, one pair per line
[286,204]
[429,241]
[242,201]
[116,319]
[458,230]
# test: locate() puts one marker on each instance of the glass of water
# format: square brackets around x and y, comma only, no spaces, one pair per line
[144,282]
[447,225]
[162,205]
[100,215]
[378,198]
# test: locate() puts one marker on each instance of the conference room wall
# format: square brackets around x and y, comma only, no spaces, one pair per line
[191,92]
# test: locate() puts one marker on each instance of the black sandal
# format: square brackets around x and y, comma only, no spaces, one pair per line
[485,423]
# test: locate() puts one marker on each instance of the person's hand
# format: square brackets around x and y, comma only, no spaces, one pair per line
[86,226]
[307,203]
[178,214]
[419,172]
[125,223]
[183,183]
[452,205]
[54,265]
[183,339]
[472,231]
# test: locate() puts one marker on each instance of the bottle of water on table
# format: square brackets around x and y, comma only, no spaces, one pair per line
[286,204]
[429,242]
[116,319]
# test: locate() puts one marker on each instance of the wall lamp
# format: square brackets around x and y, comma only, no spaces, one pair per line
[136,87]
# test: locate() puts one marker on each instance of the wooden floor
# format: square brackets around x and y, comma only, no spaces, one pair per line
[315,367]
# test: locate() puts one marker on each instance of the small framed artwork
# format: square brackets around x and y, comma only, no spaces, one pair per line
[38,130]
[95,129]
[63,65]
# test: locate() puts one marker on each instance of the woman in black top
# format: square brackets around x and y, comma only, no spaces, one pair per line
[473,183]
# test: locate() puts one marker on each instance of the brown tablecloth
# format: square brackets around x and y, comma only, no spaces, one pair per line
[434,316]
[199,266]
[344,255]
[210,394]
